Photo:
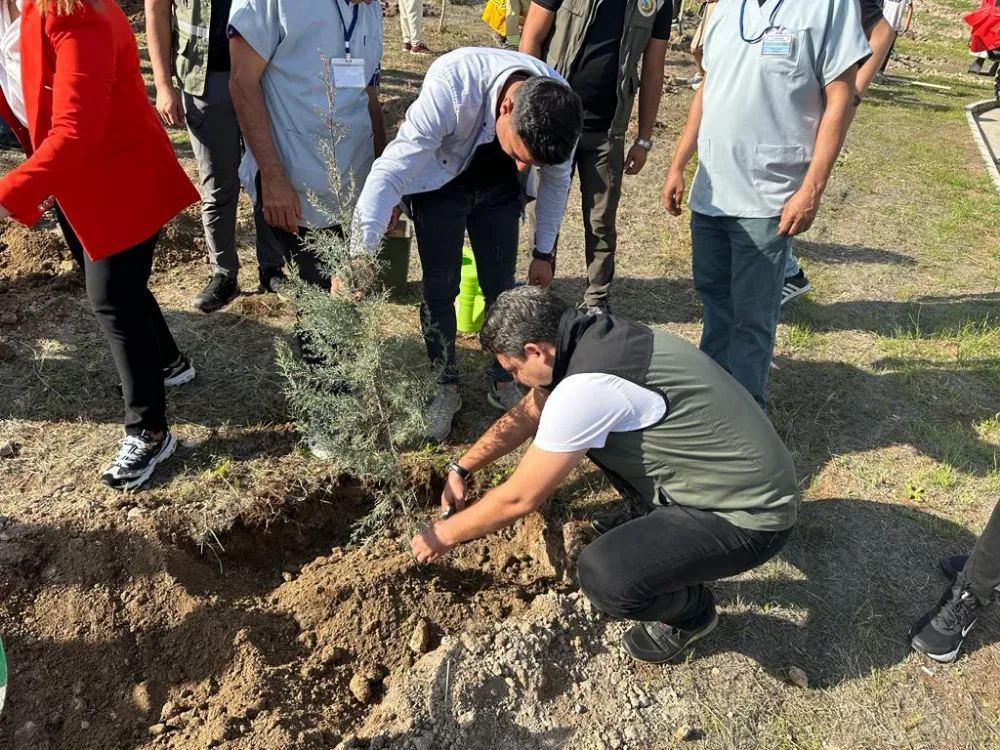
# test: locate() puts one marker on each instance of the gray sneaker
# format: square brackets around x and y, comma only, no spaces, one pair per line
[441,413]
[507,398]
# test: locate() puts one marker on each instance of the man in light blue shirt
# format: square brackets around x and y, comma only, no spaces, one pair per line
[287,58]
[465,159]
[768,123]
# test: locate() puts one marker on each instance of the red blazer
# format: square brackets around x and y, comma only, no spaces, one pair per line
[94,142]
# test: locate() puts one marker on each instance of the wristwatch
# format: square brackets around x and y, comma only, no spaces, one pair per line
[455,467]
[538,255]
[648,145]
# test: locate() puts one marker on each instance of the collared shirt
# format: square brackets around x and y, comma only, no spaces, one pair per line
[295,37]
[10,62]
[454,113]
[761,113]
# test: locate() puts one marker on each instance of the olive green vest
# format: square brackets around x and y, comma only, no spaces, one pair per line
[192,21]
[714,450]
[565,41]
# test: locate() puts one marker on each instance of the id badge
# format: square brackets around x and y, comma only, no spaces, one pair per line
[348,74]
[777,44]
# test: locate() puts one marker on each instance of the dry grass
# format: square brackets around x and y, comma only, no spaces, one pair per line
[886,387]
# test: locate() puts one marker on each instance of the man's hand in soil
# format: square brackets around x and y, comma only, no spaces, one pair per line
[427,546]
[360,276]
[453,497]
[281,203]
[540,273]
[168,104]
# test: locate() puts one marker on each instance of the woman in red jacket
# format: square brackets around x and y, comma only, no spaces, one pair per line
[75,98]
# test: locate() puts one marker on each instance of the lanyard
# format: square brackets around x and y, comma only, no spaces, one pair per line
[770,23]
[349,30]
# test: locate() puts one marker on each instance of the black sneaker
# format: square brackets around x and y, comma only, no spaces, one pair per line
[221,289]
[178,374]
[795,286]
[269,280]
[940,633]
[138,455]
[657,642]
[620,514]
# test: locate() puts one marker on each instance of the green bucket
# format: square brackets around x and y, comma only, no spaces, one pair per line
[471,304]
[394,255]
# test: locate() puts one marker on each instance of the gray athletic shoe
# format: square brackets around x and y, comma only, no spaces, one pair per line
[441,413]
[507,398]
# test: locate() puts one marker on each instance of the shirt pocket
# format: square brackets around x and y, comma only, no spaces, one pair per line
[777,170]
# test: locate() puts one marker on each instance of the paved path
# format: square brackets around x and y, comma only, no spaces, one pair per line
[985,124]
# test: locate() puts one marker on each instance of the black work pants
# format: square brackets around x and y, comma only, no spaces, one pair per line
[127,311]
[656,567]
[982,571]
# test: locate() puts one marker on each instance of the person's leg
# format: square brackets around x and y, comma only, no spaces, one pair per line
[654,569]
[493,232]
[310,268]
[792,267]
[982,571]
[72,241]
[758,274]
[711,261]
[439,223]
[417,22]
[601,164]
[121,300]
[215,140]
[405,26]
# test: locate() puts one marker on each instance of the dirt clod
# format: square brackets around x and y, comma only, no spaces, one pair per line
[361,687]
[798,677]
[8,450]
[420,641]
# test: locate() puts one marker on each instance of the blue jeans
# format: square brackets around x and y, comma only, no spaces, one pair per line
[739,269]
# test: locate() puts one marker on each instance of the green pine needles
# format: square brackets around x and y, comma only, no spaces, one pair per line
[360,384]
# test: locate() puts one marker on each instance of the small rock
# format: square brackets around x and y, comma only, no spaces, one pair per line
[798,677]
[8,318]
[361,688]
[169,709]
[157,729]
[420,641]
[84,724]
[135,514]
[8,450]
[685,733]
[78,688]
[579,709]
[26,734]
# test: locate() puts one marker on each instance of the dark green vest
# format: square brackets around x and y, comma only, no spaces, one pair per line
[715,449]
[564,43]
[192,21]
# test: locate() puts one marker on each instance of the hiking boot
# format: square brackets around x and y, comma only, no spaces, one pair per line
[138,456]
[658,642]
[939,634]
[269,280]
[420,49]
[795,286]
[617,516]
[221,289]
[505,398]
[441,413]
[179,373]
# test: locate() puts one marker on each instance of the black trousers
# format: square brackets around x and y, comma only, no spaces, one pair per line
[982,571]
[656,567]
[440,221]
[127,311]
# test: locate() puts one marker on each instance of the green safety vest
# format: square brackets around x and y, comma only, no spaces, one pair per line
[564,43]
[192,20]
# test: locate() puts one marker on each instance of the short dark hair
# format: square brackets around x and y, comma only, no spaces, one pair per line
[523,315]
[548,116]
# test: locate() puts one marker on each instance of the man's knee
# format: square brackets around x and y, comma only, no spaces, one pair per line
[604,582]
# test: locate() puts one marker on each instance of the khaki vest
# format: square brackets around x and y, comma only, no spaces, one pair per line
[565,41]
[192,21]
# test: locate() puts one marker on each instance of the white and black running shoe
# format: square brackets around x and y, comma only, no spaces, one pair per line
[941,632]
[138,456]
[178,374]
[795,286]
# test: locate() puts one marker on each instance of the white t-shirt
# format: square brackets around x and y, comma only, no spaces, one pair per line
[584,409]
[10,62]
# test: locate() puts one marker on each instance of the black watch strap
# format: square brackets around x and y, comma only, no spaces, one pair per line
[454,466]
[537,255]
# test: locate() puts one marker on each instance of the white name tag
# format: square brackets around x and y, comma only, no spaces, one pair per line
[777,44]
[348,74]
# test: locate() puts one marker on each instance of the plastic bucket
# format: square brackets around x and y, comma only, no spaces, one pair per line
[394,255]
[471,303]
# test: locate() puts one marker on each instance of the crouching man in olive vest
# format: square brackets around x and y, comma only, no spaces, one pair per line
[675,433]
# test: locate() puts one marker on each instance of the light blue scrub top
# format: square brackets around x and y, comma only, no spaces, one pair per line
[761,113]
[295,36]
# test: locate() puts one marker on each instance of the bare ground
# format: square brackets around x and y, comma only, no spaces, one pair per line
[223,608]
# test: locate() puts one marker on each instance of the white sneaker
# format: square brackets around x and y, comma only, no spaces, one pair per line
[441,413]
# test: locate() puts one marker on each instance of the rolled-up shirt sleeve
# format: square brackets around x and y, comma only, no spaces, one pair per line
[553,192]
[258,22]
[844,43]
